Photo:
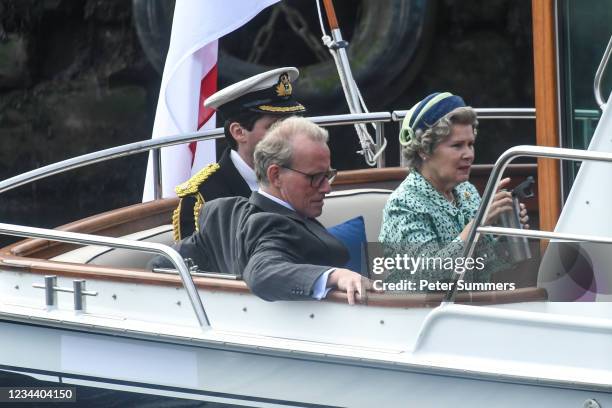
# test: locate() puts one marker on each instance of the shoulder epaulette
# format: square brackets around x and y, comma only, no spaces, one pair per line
[192,185]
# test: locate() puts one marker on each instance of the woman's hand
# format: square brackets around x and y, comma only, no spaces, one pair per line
[502,201]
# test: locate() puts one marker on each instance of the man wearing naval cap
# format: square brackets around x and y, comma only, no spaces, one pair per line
[248,108]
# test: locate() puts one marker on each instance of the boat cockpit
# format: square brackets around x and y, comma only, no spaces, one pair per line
[84,287]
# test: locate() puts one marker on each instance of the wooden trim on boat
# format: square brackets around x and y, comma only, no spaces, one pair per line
[529,294]
[368,176]
[546,103]
[116,223]
[137,276]
[140,276]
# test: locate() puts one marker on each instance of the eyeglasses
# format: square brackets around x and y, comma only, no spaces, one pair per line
[317,179]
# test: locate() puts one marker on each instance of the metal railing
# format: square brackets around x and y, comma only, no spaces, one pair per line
[587,118]
[106,154]
[487,199]
[86,239]
[485,113]
[154,145]
[599,74]
[372,117]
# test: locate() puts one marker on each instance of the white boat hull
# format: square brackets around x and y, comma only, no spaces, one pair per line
[255,370]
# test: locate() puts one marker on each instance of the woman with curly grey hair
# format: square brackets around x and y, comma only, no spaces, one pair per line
[435,205]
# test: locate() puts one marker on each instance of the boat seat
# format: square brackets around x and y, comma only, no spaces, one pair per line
[122,258]
[339,207]
[343,205]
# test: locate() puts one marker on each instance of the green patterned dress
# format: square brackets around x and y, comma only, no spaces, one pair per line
[418,220]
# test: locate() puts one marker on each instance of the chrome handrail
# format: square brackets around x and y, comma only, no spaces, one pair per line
[151,247]
[351,118]
[517,232]
[355,118]
[106,154]
[487,198]
[506,113]
[599,74]
[485,113]
[154,144]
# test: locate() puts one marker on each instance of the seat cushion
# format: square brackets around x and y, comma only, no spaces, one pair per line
[352,234]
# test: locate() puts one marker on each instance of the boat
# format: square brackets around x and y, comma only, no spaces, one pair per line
[80,301]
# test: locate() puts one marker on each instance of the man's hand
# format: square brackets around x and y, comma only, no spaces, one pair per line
[349,281]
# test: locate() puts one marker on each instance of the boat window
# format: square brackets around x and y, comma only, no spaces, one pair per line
[583,33]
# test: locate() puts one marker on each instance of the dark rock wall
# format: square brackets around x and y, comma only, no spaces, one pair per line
[74,79]
[481,50]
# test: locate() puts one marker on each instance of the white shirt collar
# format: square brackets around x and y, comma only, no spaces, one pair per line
[247,173]
[275,199]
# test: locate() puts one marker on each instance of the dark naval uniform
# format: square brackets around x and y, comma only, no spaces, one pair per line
[268,93]
[213,181]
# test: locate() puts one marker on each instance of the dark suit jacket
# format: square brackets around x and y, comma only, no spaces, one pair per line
[225,182]
[279,253]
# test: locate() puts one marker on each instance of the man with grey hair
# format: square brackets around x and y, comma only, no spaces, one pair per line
[272,239]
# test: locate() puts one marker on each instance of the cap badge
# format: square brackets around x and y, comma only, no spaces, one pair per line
[283,87]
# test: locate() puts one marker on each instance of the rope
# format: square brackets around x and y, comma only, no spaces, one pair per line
[348,83]
[323,33]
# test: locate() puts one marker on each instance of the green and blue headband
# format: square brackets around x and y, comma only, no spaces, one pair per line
[427,113]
